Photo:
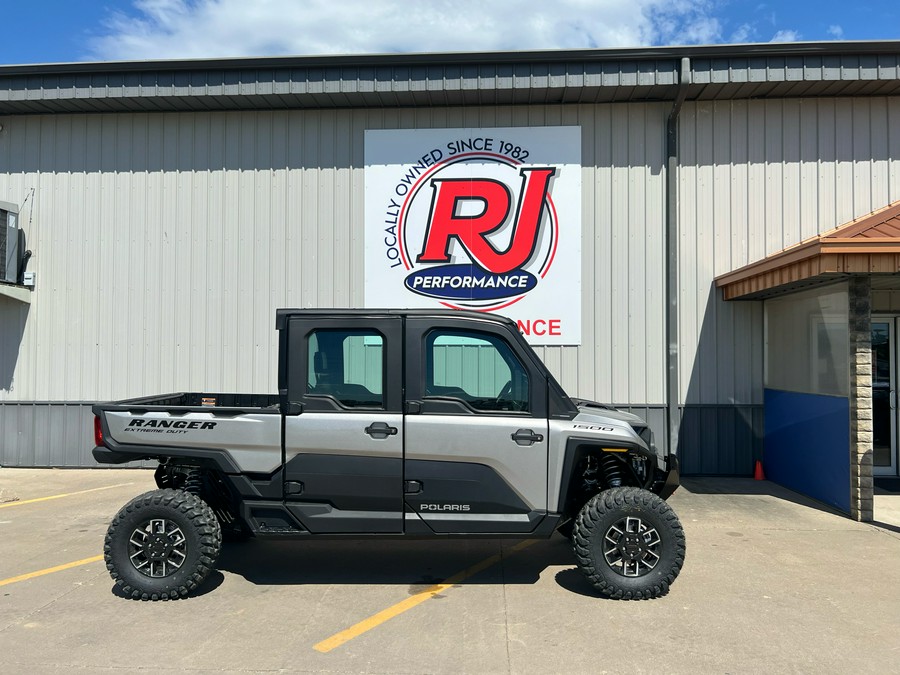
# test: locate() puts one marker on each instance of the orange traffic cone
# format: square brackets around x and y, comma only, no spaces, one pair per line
[758,473]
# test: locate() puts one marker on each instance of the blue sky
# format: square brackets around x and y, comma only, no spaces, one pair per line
[44,31]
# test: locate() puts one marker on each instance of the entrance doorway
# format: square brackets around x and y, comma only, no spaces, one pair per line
[884,395]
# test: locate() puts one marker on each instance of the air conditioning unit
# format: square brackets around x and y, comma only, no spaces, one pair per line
[9,246]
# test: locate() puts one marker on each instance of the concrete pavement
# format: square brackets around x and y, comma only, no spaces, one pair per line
[772,582]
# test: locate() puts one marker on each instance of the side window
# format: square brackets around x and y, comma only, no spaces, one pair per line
[477,368]
[347,366]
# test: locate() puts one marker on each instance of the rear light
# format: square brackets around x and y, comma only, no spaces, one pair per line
[98,431]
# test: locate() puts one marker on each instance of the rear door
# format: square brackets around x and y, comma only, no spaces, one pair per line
[343,466]
[476,432]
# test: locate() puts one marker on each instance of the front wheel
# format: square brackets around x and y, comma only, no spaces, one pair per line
[629,543]
[162,545]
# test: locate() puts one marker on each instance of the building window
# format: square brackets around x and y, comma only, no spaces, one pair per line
[807,342]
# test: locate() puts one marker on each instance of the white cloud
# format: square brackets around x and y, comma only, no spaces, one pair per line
[158,29]
[743,33]
[836,31]
[702,30]
[786,36]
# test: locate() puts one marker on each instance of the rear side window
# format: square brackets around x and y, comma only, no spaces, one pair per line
[347,366]
[477,368]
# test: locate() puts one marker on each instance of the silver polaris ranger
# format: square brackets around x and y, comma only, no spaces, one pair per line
[391,423]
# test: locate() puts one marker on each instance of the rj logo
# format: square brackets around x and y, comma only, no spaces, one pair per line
[446,221]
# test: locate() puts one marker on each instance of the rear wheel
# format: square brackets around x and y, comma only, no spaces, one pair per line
[629,543]
[162,545]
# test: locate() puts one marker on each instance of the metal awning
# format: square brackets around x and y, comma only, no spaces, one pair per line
[868,245]
[716,72]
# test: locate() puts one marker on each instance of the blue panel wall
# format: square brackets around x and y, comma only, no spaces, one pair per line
[807,445]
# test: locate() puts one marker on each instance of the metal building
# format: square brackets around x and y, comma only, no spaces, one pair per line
[171,207]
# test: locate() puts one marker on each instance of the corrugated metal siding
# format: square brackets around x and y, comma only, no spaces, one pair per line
[43,435]
[164,242]
[40,434]
[756,177]
[622,357]
[720,439]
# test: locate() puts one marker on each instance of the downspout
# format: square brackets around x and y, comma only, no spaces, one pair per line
[673,421]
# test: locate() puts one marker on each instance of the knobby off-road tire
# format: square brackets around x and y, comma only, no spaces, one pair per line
[629,543]
[162,545]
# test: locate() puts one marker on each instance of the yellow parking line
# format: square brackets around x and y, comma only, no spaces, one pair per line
[376,620]
[67,494]
[50,570]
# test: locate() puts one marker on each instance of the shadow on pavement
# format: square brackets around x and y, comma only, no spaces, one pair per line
[886,526]
[717,485]
[887,484]
[573,581]
[418,564]
[211,583]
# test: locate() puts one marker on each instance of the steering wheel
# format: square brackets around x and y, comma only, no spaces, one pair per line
[506,392]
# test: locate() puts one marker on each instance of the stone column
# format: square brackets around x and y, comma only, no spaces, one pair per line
[861,486]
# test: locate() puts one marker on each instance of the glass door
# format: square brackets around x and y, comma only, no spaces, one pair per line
[884,395]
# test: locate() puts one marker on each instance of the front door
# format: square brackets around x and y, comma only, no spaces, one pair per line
[476,432]
[343,468]
[884,395]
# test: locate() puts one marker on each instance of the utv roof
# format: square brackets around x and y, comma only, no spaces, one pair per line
[282,315]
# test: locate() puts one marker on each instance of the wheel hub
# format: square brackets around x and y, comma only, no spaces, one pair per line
[157,548]
[631,547]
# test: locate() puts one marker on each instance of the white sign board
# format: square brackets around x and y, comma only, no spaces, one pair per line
[480,219]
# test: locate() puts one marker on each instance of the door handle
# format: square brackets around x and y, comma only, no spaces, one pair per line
[381,430]
[526,437]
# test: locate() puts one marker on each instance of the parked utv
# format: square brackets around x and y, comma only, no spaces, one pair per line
[391,423]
